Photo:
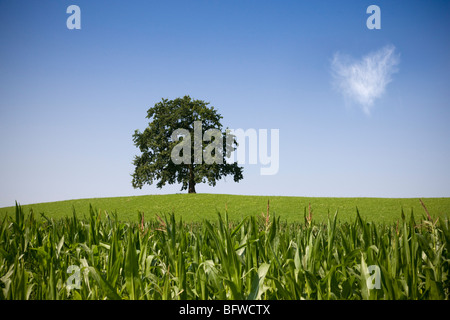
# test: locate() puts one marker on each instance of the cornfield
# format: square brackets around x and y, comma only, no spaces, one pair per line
[99,257]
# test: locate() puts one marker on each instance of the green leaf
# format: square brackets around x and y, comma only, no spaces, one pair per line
[258,281]
[131,269]
[104,284]
[59,246]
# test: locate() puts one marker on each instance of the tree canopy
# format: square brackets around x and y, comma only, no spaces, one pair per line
[184,143]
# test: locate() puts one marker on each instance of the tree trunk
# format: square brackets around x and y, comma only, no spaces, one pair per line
[191,179]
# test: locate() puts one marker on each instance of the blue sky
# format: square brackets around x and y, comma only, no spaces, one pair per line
[70,100]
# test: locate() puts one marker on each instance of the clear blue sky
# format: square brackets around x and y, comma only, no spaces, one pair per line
[70,100]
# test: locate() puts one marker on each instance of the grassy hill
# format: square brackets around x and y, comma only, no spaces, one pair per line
[195,207]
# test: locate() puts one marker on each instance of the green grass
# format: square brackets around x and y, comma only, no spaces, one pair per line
[195,207]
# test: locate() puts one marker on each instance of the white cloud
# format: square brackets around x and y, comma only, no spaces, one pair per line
[365,80]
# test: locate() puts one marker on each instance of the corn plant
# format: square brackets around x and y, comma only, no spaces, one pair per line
[99,257]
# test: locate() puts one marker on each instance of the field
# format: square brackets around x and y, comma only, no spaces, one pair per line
[196,207]
[306,254]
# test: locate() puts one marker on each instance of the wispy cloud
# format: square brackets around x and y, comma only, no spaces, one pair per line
[365,80]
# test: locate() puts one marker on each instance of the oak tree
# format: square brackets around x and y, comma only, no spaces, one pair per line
[172,150]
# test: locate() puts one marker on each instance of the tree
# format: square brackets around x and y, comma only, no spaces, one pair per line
[173,150]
